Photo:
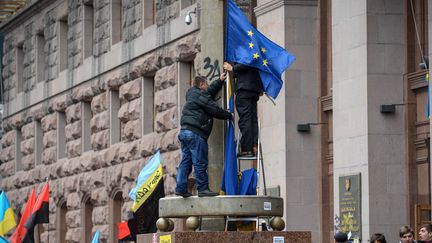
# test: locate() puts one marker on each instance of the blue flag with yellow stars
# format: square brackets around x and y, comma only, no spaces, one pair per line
[246,45]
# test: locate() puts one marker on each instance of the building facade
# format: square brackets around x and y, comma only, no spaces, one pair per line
[92,88]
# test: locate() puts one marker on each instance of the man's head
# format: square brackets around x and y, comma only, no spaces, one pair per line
[378,238]
[201,83]
[425,233]
[406,234]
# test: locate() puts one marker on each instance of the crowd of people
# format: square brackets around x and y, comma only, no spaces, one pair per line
[406,235]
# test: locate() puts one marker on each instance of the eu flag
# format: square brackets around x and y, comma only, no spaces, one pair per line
[230,177]
[246,45]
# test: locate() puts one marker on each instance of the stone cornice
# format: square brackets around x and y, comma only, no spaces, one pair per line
[24,15]
[265,8]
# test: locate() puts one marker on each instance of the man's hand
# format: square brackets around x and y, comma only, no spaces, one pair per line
[223,76]
[227,66]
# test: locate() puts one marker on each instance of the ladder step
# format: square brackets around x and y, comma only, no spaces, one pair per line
[247,158]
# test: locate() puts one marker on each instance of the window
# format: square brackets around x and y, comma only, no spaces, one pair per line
[116,204]
[18,155]
[148,105]
[19,68]
[116,21]
[38,142]
[149,12]
[86,219]
[62,47]
[61,222]
[61,137]
[40,57]
[86,116]
[114,107]
[88,29]
[186,3]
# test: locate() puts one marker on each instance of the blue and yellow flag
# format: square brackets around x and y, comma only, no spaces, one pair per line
[230,178]
[7,218]
[96,237]
[246,45]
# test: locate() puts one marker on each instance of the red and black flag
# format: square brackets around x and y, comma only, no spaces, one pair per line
[20,231]
[127,231]
[146,195]
[40,214]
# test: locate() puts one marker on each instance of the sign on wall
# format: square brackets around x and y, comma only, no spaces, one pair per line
[350,204]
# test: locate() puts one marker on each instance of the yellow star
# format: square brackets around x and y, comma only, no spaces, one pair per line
[265,62]
[263,50]
[256,56]
[250,33]
[251,45]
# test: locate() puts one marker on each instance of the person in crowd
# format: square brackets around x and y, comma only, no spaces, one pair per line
[248,89]
[406,235]
[425,234]
[196,125]
[341,237]
[377,238]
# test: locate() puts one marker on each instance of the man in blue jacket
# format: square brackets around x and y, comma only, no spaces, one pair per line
[196,125]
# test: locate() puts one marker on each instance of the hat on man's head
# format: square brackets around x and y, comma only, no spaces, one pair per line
[340,237]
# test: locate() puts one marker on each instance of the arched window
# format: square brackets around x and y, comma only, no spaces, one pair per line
[61,227]
[115,207]
[86,219]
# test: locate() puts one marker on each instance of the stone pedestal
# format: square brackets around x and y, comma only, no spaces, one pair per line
[234,236]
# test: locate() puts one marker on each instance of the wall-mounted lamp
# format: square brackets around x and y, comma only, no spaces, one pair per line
[188,17]
[389,109]
[306,127]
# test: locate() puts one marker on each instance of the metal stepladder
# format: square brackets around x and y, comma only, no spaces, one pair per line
[260,171]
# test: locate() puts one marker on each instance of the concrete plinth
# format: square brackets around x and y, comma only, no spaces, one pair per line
[216,237]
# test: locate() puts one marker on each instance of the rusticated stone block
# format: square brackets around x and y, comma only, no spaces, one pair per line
[125,209]
[166,99]
[28,162]
[170,161]
[146,66]
[7,169]
[100,140]
[130,90]
[132,130]
[28,130]
[49,139]
[73,218]
[167,120]
[8,138]
[113,179]
[148,144]
[170,141]
[104,232]
[169,184]
[73,131]
[73,113]
[73,148]
[99,196]
[49,236]
[100,122]
[129,151]
[100,215]
[123,113]
[7,154]
[82,93]
[73,201]
[69,185]
[99,103]
[73,235]
[111,155]
[187,48]
[38,111]
[134,109]
[166,77]
[60,103]
[16,121]
[131,170]
[49,155]
[49,122]
[115,78]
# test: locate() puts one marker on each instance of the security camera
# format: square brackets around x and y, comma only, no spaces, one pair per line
[188,18]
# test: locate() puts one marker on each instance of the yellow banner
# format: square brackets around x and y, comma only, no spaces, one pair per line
[165,239]
[147,188]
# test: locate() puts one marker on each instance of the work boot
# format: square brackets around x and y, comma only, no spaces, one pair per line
[183,194]
[207,193]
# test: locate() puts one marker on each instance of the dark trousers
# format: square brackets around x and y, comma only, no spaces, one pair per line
[246,105]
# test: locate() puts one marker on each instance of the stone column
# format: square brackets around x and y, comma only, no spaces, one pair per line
[368,67]
[430,55]
[211,36]
[291,158]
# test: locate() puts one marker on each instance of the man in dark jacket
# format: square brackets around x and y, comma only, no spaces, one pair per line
[196,126]
[425,234]
[248,88]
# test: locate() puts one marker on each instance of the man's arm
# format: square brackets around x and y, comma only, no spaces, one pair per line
[215,86]
[212,108]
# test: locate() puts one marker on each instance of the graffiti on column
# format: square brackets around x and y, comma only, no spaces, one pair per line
[212,68]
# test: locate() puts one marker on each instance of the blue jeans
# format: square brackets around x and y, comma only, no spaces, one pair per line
[194,152]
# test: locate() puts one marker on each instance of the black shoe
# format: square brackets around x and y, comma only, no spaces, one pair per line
[207,193]
[183,194]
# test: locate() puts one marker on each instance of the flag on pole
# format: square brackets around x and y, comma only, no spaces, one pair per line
[246,45]
[146,194]
[230,177]
[96,237]
[20,231]
[428,97]
[7,218]
[3,240]
[39,215]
